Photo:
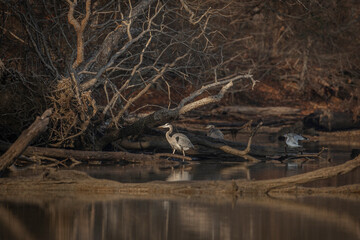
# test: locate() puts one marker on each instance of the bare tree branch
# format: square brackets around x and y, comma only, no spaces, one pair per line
[165,115]
[113,38]
[79,29]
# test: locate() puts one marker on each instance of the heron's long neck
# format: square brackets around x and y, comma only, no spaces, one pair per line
[168,133]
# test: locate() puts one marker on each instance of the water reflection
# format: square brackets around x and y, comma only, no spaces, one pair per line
[304,218]
[179,175]
[205,170]
[225,168]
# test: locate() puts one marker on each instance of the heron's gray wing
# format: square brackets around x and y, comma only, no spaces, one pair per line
[292,142]
[215,133]
[218,134]
[183,141]
[299,137]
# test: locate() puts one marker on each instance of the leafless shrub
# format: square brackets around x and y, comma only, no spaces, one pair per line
[72,112]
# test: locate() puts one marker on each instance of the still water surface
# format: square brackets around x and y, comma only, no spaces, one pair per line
[225,168]
[264,218]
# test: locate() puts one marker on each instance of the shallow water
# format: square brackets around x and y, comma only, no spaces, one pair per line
[229,168]
[257,218]
[169,217]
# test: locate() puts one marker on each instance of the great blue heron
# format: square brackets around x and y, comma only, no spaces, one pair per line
[214,132]
[292,139]
[177,141]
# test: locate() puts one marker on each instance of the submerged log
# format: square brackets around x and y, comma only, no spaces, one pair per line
[26,137]
[67,181]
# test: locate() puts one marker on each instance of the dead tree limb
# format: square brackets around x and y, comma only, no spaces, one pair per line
[308,155]
[79,29]
[167,115]
[146,88]
[113,38]
[290,184]
[192,14]
[88,156]
[206,100]
[104,57]
[226,148]
[184,107]
[26,137]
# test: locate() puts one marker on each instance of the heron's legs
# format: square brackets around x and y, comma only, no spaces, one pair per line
[183,154]
[174,151]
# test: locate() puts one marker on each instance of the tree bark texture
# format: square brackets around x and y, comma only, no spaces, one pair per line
[88,156]
[26,137]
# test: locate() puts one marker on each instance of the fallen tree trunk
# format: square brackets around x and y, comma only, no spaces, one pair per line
[26,137]
[89,156]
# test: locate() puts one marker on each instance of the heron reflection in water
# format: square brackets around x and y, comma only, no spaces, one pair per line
[214,132]
[177,141]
